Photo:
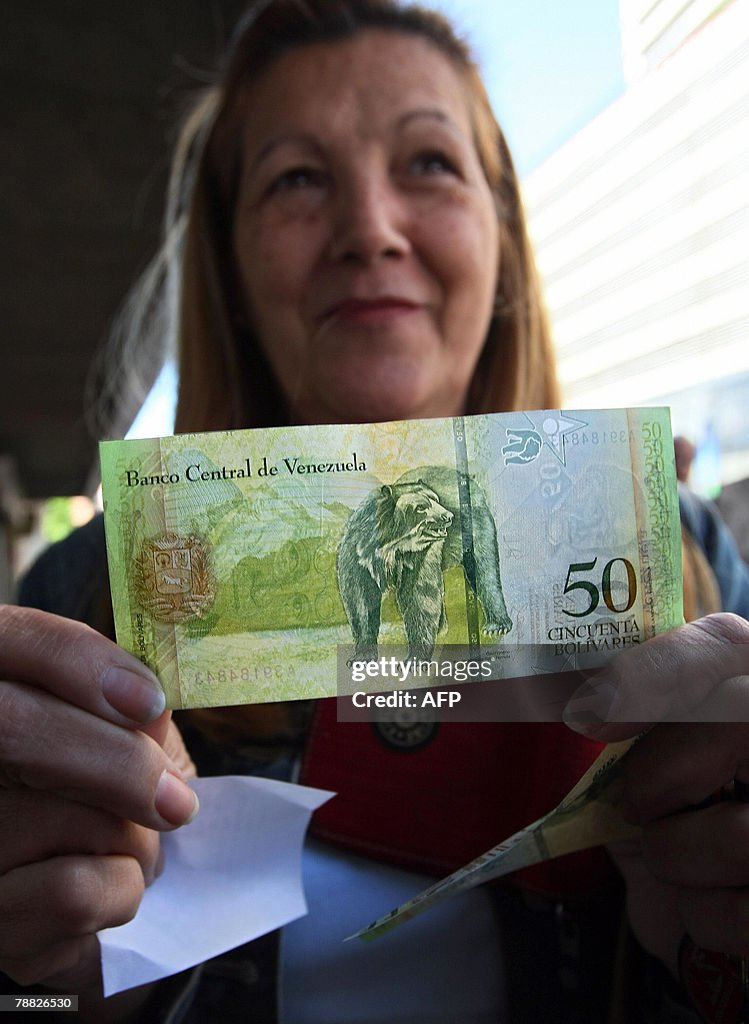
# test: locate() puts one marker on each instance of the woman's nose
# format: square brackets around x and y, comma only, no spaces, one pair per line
[369,221]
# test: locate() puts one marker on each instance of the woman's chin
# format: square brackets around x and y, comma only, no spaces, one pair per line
[375,409]
[386,390]
[360,403]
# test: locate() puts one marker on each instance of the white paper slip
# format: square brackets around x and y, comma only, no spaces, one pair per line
[230,876]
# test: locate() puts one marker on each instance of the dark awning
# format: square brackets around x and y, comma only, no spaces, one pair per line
[91,92]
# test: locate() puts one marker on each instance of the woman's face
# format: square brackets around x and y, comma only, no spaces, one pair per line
[365,231]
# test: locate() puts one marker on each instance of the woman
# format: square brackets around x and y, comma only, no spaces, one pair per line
[355,250]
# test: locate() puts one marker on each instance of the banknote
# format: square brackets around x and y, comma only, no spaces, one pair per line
[588,816]
[241,562]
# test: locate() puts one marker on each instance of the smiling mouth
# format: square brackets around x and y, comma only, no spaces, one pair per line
[369,310]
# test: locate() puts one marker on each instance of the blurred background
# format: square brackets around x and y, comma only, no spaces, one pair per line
[629,123]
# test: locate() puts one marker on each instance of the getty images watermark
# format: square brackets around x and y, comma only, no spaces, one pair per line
[534,682]
[422,672]
[485,683]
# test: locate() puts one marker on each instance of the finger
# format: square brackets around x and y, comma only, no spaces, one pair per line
[669,678]
[65,898]
[77,664]
[70,966]
[37,826]
[678,765]
[174,747]
[90,761]
[652,905]
[159,730]
[717,919]
[700,849]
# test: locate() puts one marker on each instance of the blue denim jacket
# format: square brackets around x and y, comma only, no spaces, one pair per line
[703,521]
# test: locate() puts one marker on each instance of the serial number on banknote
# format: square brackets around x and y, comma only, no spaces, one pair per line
[601,437]
[245,674]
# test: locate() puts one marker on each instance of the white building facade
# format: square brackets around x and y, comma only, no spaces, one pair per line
[654,29]
[641,228]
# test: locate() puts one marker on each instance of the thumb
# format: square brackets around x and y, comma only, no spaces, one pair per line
[691,673]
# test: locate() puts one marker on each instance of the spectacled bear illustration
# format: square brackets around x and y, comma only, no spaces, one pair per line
[402,538]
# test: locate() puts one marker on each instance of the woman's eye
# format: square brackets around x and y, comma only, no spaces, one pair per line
[297,178]
[432,162]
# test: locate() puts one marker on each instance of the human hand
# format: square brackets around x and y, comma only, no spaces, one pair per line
[91,770]
[688,872]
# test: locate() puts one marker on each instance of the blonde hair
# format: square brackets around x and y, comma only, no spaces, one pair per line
[701,591]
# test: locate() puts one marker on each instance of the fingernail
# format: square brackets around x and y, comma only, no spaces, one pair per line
[175,801]
[134,695]
[589,706]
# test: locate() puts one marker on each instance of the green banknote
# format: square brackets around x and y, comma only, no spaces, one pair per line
[242,562]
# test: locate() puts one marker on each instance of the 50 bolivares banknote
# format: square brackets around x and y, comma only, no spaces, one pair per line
[242,562]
